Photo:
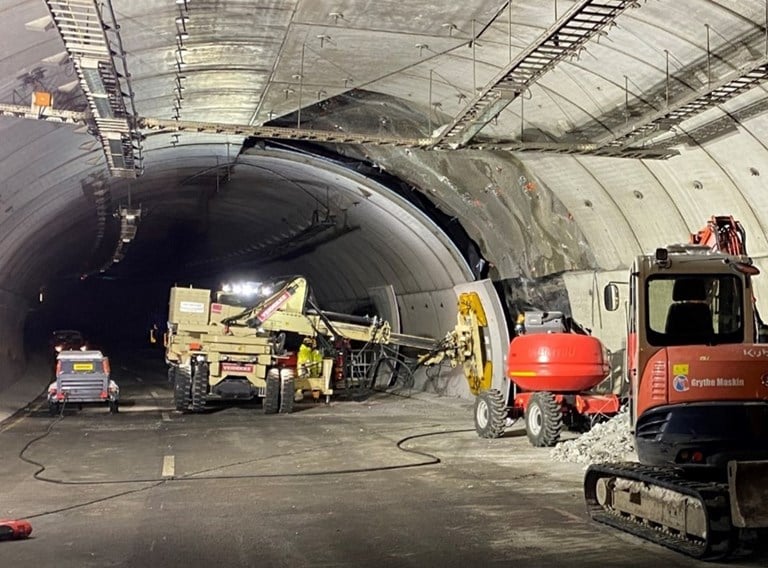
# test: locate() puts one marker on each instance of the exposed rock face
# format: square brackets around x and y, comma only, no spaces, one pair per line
[521,227]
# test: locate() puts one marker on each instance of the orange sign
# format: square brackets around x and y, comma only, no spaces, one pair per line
[42,99]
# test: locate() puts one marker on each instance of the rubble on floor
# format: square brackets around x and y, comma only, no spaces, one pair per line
[609,441]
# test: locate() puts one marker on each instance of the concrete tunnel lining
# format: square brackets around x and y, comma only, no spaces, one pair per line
[396,244]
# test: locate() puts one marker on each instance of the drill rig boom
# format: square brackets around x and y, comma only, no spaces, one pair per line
[224,346]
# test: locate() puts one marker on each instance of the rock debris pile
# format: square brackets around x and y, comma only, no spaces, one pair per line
[609,441]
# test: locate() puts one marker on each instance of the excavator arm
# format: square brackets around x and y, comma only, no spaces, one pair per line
[722,233]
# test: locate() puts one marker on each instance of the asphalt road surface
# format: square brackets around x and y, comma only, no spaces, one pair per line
[373,481]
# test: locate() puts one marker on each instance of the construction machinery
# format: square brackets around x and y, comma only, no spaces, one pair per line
[232,344]
[82,377]
[553,367]
[699,401]
[722,233]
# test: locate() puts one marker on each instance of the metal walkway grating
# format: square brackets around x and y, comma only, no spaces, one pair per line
[82,28]
[744,79]
[566,38]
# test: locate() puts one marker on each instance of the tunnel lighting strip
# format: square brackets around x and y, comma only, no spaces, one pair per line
[84,32]
[565,39]
[745,78]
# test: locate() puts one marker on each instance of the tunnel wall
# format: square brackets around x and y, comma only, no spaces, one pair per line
[13,358]
[433,314]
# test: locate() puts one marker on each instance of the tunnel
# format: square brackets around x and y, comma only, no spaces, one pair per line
[269,212]
[301,150]
[457,170]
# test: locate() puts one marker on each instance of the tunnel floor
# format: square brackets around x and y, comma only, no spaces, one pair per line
[384,480]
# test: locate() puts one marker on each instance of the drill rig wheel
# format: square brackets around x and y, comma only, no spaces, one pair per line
[543,420]
[182,389]
[287,391]
[490,414]
[200,385]
[271,402]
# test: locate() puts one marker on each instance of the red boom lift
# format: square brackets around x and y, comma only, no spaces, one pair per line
[553,369]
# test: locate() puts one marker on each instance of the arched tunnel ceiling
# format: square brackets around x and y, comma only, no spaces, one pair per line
[398,71]
[276,211]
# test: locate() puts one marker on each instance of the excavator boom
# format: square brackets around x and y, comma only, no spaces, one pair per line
[722,233]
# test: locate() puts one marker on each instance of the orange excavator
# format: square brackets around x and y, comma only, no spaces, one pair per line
[699,401]
[722,233]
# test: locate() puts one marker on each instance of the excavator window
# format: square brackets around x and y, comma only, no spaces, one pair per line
[694,309]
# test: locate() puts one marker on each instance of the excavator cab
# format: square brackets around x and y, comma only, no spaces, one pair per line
[691,316]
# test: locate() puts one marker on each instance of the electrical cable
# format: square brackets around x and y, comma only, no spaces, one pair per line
[430,460]
[395,364]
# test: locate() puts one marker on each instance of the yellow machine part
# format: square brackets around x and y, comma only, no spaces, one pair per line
[471,319]
[471,306]
[477,383]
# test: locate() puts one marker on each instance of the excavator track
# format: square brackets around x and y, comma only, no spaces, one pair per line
[707,503]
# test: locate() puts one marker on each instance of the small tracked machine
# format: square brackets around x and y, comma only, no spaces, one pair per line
[699,401]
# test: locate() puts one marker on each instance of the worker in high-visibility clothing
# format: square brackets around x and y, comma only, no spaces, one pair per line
[309,360]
